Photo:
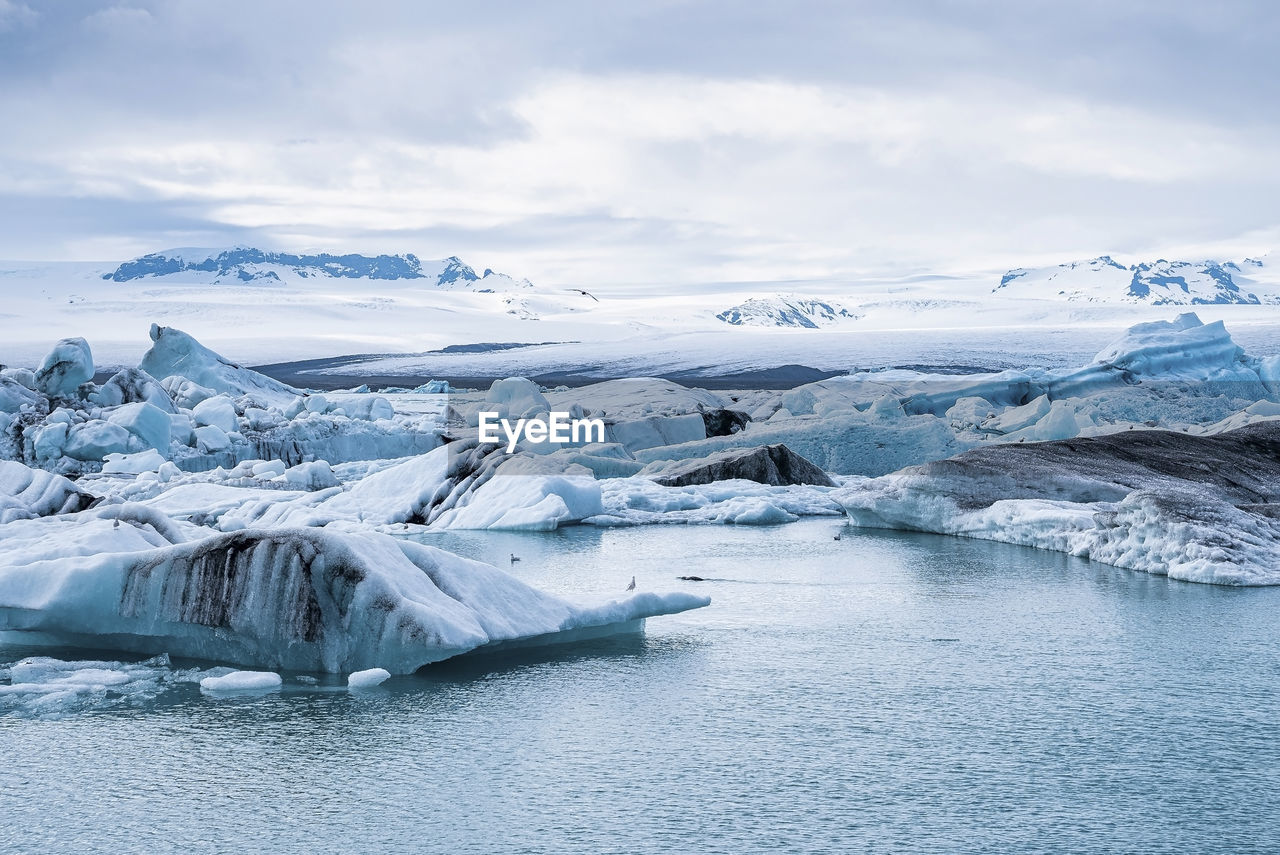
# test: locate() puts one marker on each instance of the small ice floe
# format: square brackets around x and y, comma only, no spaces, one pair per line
[242,681]
[368,678]
[48,688]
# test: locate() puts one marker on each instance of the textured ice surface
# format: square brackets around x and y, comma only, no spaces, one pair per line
[26,493]
[299,599]
[174,353]
[1204,509]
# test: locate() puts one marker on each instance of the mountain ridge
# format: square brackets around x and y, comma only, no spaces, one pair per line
[251,264]
[1161,282]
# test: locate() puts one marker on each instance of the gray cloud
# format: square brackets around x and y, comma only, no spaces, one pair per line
[578,141]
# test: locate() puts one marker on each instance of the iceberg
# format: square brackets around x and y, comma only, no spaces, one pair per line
[220,415]
[176,353]
[128,578]
[65,369]
[1177,373]
[1197,508]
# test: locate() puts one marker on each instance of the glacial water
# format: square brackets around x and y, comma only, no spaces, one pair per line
[885,692]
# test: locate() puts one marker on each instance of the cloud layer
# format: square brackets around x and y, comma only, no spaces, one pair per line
[585,142]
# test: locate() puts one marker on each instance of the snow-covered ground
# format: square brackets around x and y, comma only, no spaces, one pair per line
[260,308]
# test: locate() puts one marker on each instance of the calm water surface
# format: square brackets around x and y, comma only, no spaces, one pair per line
[884,693]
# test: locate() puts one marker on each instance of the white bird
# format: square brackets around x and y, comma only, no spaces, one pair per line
[514,558]
[586,294]
[632,586]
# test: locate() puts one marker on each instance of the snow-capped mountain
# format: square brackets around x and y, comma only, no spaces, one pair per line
[1158,283]
[249,264]
[783,311]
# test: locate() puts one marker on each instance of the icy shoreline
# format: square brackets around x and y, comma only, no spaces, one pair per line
[219,514]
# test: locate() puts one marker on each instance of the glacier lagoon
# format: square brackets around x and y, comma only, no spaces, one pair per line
[887,691]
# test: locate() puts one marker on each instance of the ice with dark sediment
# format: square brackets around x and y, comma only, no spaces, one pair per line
[1197,508]
[126,577]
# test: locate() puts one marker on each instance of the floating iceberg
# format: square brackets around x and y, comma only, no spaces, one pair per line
[128,578]
[1197,508]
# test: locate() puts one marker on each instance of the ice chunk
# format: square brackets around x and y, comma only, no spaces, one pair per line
[67,366]
[133,385]
[211,438]
[24,377]
[15,395]
[176,353]
[316,404]
[1269,372]
[745,511]
[149,423]
[50,440]
[93,441]
[638,434]
[268,469]
[639,501]
[316,475]
[367,407]
[1182,349]
[242,681]
[44,687]
[186,393]
[133,464]
[517,397]
[527,502]
[217,412]
[368,678]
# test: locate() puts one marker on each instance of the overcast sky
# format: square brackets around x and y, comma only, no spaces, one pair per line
[594,142]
